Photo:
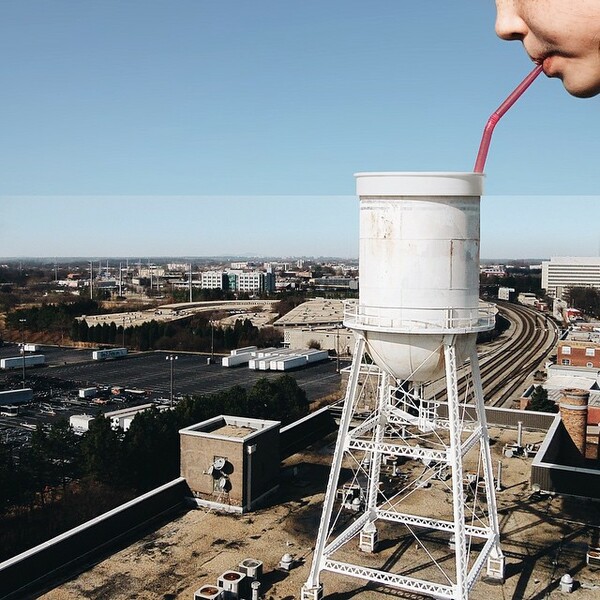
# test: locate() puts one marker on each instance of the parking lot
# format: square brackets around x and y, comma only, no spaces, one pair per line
[56,384]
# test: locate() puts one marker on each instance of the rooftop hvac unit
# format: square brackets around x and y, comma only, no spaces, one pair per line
[208,592]
[252,568]
[593,556]
[233,584]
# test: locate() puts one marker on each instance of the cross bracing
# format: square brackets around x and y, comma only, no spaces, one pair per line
[406,457]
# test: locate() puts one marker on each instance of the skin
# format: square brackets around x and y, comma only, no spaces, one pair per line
[563,35]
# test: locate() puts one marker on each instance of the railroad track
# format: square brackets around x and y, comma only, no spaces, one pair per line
[510,360]
[505,371]
[507,365]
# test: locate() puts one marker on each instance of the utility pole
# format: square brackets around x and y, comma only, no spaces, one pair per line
[171,358]
[337,348]
[91,280]
[21,323]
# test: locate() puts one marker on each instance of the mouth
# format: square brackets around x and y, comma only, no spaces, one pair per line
[545,60]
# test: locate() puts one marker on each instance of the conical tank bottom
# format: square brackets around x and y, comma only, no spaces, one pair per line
[414,357]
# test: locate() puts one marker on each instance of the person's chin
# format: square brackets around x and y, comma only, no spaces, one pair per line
[582,89]
[581,84]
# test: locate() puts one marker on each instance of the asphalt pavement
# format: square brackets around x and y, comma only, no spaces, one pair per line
[150,371]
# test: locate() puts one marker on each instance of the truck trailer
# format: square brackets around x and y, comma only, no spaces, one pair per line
[20,396]
[16,362]
[108,354]
[235,360]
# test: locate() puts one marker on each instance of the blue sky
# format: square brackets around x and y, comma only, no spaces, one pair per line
[199,127]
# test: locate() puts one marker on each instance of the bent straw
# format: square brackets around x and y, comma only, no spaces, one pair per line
[498,114]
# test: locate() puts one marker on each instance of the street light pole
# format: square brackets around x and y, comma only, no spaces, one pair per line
[171,358]
[212,342]
[21,322]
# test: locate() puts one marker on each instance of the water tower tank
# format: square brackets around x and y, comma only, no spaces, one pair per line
[419,269]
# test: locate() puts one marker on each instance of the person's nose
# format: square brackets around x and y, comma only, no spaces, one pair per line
[509,25]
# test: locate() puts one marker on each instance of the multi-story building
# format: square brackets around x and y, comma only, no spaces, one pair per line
[214,280]
[237,280]
[564,272]
[493,270]
[506,293]
[182,267]
[255,282]
[335,283]
[580,349]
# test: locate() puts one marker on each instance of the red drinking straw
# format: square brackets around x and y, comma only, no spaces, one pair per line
[486,138]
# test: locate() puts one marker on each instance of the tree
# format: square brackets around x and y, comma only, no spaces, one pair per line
[62,449]
[151,448]
[34,472]
[586,299]
[280,399]
[101,452]
[84,331]
[540,402]
[7,477]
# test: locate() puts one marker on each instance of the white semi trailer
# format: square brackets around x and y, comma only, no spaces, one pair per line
[16,362]
[108,354]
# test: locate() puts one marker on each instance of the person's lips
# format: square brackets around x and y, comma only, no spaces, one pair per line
[546,61]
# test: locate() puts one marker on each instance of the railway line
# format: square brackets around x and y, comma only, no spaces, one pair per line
[505,370]
[508,362]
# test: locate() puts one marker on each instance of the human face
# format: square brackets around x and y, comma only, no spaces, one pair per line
[562,35]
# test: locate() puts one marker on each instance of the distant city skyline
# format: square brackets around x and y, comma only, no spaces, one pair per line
[202,128]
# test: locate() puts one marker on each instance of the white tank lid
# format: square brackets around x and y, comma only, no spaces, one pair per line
[418,183]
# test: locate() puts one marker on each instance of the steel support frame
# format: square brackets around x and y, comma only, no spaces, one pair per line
[312,589]
[455,456]
[369,437]
[495,555]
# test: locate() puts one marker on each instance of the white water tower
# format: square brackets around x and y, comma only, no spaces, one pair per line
[416,323]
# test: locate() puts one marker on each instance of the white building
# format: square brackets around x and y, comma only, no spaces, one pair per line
[123,418]
[563,272]
[252,281]
[213,280]
[80,423]
[527,299]
[504,293]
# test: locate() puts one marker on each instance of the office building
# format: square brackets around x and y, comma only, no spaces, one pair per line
[564,272]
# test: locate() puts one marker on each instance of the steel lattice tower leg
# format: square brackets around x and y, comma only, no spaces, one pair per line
[312,589]
[455,452]
[495,561]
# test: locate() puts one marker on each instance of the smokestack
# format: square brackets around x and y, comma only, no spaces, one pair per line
[573,412]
